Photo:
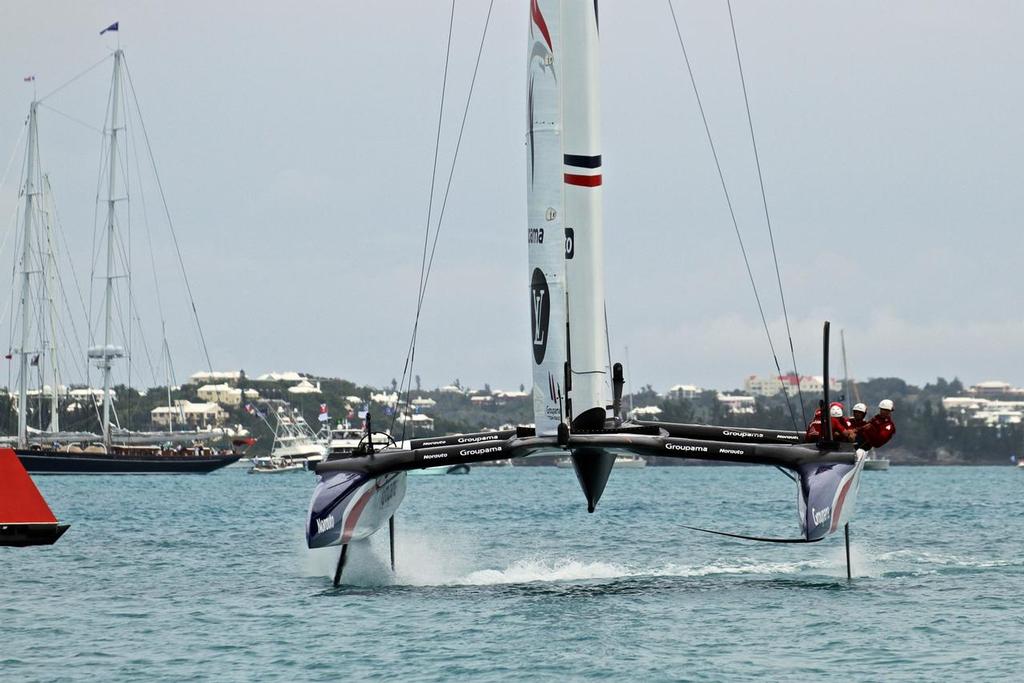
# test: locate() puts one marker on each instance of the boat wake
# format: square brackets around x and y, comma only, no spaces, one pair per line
[368,566]
[423,562]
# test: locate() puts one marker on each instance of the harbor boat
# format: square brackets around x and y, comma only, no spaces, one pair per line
[622,462]
[25,518]
[442,469]
[113,449]
[630,462]
[275,465]
[875,462]
[295,441]
[574,415]
[341,441]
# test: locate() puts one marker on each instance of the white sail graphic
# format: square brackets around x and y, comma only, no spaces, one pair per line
[545,231]
[584,247]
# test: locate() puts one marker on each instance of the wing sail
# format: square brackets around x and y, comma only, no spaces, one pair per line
[545,229]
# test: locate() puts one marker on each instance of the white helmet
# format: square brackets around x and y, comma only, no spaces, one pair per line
[836,411]
[886,404]
[861,407]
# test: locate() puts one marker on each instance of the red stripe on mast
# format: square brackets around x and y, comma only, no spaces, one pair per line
[582,180]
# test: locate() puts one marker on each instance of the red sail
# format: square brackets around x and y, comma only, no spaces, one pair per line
[20,500]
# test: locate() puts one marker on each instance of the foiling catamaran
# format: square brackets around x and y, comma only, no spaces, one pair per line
[355,495]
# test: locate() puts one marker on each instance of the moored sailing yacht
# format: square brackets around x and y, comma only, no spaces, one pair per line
[113,450]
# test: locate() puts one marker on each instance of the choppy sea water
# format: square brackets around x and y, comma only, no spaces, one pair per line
[503,574]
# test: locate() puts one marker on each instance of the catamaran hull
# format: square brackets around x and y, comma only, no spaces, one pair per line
[349,507]
[827,496]
[54,462]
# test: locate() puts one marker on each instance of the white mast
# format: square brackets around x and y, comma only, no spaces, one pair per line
[169,379]
[545,231]
[26,283]
[584,233]
[50,268]
[105,354]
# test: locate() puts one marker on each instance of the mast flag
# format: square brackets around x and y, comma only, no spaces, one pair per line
[112,27]
[545,229]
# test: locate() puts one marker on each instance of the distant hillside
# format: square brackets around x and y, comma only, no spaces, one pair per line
[924,434]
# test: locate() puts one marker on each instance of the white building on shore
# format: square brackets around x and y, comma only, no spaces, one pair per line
[225,394]
[191,414]
[685,391]
[216,377]
[972,410]
[773,385]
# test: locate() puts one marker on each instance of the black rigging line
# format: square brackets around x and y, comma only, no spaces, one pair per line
[732,213]
[767,218]
[72,80]
[447,190]
[410,355]
[167,212]
[71,118]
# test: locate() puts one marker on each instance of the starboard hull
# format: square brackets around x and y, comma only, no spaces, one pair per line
[349,507]
[827,495]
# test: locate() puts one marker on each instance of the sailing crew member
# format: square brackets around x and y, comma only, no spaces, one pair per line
[879,429]
[857,420]
[814,428]
[840,425]
[840,429]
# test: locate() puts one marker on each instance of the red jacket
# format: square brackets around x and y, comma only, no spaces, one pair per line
[839,425]
[877,432]
[814,429]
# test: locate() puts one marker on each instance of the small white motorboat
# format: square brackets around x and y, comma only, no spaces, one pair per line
[274,465]
[874,462]
[443,469]
[622,462]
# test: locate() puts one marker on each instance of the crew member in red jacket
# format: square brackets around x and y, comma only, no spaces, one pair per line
[879,429]
[840,428]
[840,425]
[814,428]
[857,421]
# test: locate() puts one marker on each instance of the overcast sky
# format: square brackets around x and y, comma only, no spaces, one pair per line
[295,142]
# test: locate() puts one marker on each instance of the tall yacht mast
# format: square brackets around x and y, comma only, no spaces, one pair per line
[106,354]
[50,271]
[26,282]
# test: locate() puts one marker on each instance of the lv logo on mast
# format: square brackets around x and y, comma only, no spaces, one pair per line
[541,314]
